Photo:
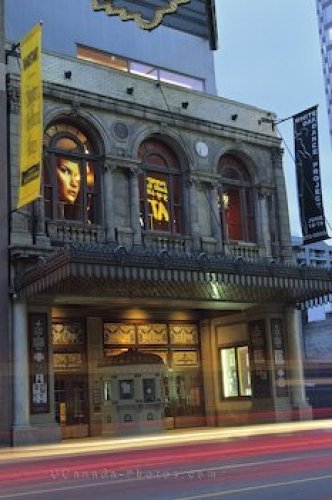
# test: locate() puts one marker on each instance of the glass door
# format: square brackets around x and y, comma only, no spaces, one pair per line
[71,400]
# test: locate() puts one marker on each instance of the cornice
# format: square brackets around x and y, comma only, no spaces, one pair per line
[174,119]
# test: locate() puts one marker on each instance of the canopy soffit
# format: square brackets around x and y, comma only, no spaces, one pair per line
[115,271]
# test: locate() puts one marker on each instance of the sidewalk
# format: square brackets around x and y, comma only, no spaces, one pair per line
[168,438]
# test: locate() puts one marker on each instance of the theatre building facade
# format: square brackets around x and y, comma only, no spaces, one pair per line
[152,283]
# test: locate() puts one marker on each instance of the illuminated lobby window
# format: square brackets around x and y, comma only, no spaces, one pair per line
[235,370]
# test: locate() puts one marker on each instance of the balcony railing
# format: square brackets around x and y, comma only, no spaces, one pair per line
[248,251]
[71,232]
[172,243]
[65,232]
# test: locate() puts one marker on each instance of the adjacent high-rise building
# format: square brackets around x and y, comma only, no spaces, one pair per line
[324,15]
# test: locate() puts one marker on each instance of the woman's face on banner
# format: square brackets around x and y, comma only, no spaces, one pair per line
[68,180]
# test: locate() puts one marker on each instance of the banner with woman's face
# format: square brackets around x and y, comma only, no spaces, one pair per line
[75,189]
[68,175]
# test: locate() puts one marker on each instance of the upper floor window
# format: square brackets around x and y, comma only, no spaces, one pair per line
[160,188]
[71,180]
[236,200]
[103,58]
[139,68]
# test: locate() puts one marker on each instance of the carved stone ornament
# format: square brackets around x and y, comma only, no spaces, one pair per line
[120,130]
[114,8]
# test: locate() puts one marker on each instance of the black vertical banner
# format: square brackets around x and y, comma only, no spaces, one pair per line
[308,176]
[39,370]
[259,365]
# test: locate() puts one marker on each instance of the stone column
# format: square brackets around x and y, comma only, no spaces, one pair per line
[135,206]
[215,216]
[193,212]
[282,214]
[95,356]
[21,413]
[210,371]
[109,203]
[39,214]
[265,224]
[295,363]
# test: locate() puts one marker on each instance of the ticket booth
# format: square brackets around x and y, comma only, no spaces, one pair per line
[133,393]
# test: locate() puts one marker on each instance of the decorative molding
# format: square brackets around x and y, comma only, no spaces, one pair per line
[68,334]
[153,333]
[126,15]
[120,131]
[119,333]
[114,162]
[183,334]
[81,268]
[200,178]
[185,358]
[65,361]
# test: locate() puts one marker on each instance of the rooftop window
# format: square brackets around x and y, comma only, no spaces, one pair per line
[139,68]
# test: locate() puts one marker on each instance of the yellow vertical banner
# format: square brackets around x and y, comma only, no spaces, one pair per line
[31,117]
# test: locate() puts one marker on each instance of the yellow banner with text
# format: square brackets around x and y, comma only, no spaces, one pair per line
[31,117]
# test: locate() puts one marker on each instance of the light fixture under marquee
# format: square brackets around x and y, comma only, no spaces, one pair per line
[126,15]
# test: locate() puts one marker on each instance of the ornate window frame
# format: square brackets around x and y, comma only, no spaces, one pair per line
[160,188]
[69,148]
[236,199]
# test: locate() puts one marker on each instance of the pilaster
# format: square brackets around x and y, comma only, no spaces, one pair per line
[134,205]
[20,366]
[110,166]
[295,363]
[265,223]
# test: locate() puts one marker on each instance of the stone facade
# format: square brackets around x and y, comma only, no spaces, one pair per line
[97,98]
[142,253]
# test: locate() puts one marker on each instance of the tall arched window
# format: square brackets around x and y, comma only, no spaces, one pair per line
[160,188]
[71,178]
[236,200]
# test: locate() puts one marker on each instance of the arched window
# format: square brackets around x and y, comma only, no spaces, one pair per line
[160,188]
[71,179]
[236,200]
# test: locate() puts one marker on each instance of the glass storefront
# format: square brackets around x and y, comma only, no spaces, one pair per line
[179,347]
[177,344]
